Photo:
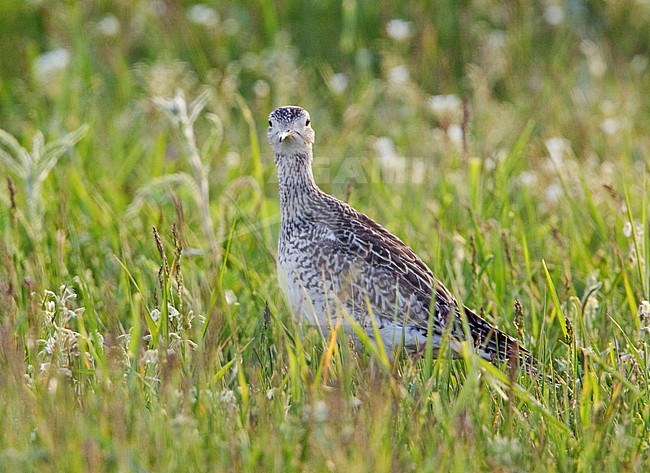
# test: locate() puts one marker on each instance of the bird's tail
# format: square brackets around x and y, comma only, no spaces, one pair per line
[496,346]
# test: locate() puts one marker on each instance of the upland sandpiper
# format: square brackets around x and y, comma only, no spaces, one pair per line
[338,266]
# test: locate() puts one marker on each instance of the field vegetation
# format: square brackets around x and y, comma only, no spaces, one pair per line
[141,324]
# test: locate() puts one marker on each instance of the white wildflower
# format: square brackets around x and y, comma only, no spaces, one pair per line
[393,165]
[558,148]
[385,147]
[527,178]
[398,29]
[228,398]
[68,293]
[320,411]
[398,75]
[150,357]
[338,83]
[172,311]
[553,193]
[232,159]
[455,134]
[175,108]
[190,317]
[627,229]
[155,315]
[637,228]
[108,26]
[182,420]
[203,15]
[447,109]
[610,126]
[50,309]
[553,15]
[51,63]
[49,345]
[72,314]
[231,297]
[261,88]
[496,40]
[441,104]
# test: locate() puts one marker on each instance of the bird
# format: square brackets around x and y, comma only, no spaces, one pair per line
[338,266]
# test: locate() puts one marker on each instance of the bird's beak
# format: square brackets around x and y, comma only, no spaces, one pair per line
[285,134]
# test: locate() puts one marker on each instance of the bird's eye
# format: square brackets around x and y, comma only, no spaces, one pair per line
[270,123]
[307,122]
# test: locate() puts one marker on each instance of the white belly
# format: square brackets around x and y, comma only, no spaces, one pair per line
[312,305]
[296,295]
[325,312]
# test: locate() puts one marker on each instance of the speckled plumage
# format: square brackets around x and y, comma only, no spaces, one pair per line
[334,262]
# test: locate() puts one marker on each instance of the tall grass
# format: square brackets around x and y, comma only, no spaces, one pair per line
[141,326]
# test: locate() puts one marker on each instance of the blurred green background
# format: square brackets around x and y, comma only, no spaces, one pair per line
[530,49]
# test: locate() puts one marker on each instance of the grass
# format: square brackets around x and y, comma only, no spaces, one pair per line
[141,326]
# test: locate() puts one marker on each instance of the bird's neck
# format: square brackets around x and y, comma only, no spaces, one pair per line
[296,183]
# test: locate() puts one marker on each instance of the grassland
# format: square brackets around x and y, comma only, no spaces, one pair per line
[507,143]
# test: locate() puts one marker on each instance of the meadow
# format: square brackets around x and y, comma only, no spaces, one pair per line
[141,323]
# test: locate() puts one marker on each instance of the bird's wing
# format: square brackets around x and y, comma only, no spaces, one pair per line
[375,246]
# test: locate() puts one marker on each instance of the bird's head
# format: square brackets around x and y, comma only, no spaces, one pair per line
[290,130]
